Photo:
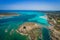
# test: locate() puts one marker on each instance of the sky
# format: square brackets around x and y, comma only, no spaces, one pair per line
[44,5]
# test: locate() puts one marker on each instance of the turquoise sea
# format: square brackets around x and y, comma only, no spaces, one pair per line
[8,26]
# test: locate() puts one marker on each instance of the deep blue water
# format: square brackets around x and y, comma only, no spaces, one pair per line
[27,17]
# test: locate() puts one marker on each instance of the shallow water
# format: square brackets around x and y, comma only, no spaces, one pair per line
[9,26]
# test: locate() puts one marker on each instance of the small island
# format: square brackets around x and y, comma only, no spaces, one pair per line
[33,30]
[9,14]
